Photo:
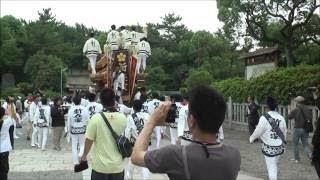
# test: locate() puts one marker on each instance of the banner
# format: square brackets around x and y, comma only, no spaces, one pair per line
[133,66]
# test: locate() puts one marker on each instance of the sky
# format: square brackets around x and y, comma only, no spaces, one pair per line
[196,15]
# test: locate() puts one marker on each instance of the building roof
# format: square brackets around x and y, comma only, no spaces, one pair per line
[260,52]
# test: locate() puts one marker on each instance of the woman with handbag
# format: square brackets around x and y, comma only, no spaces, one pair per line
[272,130]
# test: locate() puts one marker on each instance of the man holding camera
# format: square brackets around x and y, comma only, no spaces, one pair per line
[204,157]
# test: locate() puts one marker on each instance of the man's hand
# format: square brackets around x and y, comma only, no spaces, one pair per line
[159,115]
[141,146]
[83,158]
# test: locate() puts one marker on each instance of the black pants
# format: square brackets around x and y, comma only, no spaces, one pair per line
[316,165]
[252,127]
[4,165]
[101,176]
[11,129]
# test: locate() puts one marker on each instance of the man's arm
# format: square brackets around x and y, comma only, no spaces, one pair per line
[141,146]
[87,146]
[292,114]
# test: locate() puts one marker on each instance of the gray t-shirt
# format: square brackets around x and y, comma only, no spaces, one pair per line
[223,162]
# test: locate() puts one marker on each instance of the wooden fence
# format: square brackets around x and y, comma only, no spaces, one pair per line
[236,114]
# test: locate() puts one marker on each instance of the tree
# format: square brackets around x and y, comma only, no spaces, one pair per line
[156,78]
[197,78]
[287,23]
[172,31]
[12,40]
[44,70]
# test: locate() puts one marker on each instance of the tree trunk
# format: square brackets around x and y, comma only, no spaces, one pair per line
[289,56]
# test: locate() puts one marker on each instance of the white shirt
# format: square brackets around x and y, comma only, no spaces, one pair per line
[5,105]
[26,105]
[33,109]
[182,121]
[94,108]
[135,37]
[143,47]
[145,107]
[42,115]
[123,108]
[220,134]
[137,96]
[152,105]
[135,124]
[126,34]
[84,102]
[263,130]
[78,117]
[113,37]
[5,144]
[92,47]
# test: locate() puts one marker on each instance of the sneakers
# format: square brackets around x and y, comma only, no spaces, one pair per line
[28,138]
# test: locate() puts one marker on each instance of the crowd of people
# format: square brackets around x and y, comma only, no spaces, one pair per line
[196,135]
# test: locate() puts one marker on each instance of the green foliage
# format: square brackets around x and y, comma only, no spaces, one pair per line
[24,87]
[236,87]
[45,70]
[283,83]
[11,91]
[286,23]
[197,78]
[156,77]
[51,94]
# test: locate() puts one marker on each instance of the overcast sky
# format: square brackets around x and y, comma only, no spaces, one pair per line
[197,15]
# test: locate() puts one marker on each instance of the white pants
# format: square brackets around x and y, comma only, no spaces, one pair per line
[173,135]
[272,166]
[34,139]
[142,60]
[130,171]
[43,136]
[93,59]
[157,131]
[77,147]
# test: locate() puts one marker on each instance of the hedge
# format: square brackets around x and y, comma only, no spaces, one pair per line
[282,83]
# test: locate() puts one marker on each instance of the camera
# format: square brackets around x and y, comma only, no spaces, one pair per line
[171,116]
